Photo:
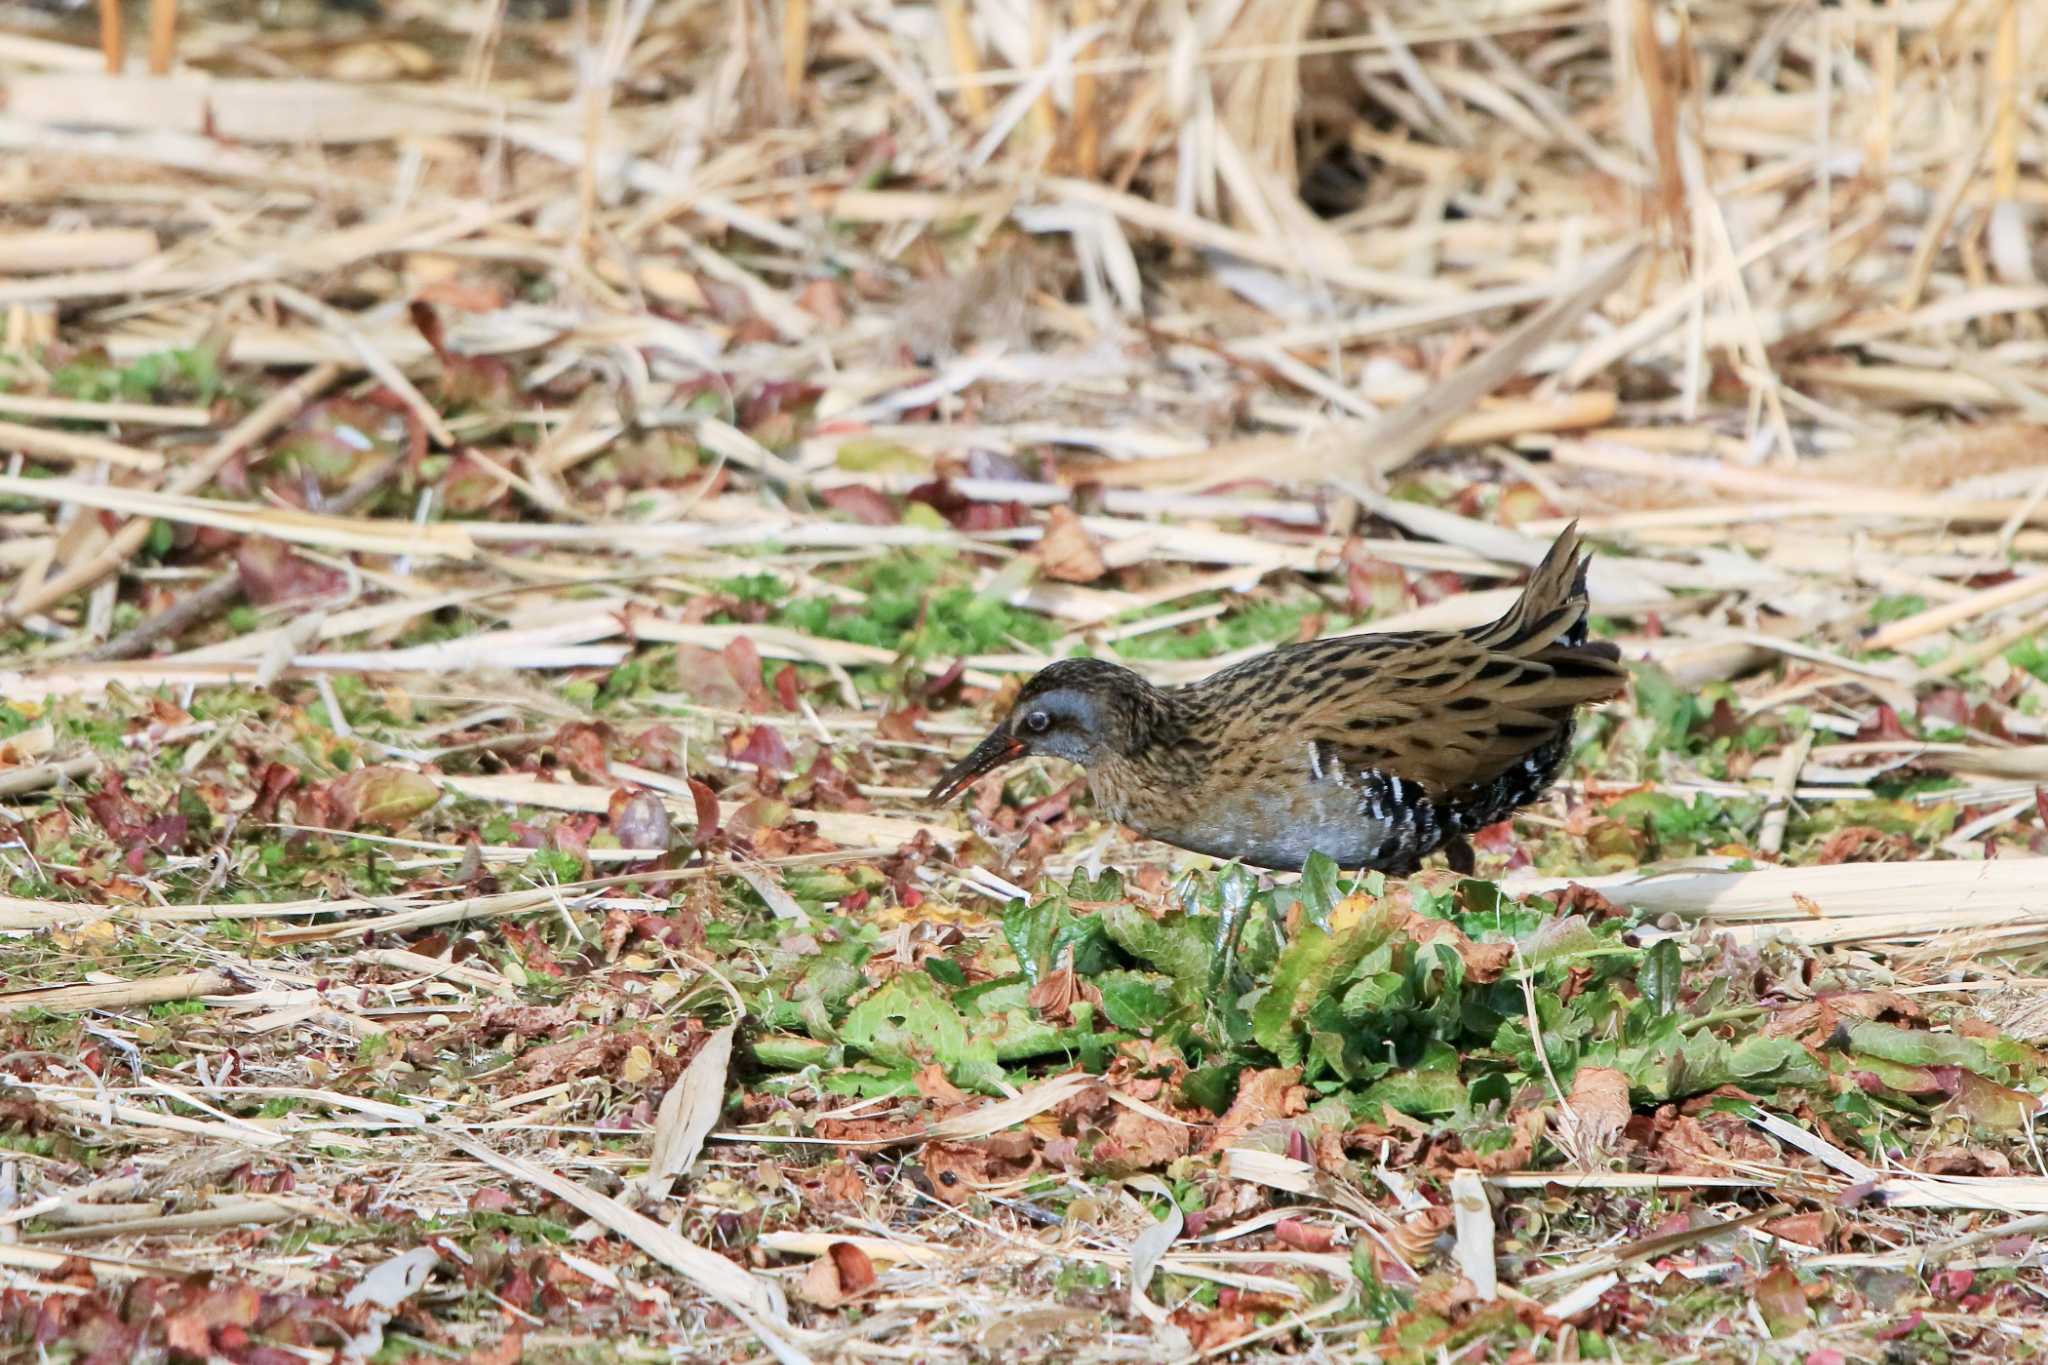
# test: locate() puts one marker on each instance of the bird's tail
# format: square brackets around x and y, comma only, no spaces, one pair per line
[1547,623]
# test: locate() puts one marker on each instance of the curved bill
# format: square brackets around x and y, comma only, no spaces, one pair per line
[998,749]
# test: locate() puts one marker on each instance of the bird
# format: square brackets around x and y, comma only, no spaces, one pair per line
[1375,750]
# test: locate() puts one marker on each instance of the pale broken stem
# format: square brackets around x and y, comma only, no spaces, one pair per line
[1771,838]
[115,995]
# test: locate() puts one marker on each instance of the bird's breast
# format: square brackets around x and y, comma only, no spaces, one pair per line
[1264,823]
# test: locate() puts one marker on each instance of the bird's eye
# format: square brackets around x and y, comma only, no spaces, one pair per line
[1037,722]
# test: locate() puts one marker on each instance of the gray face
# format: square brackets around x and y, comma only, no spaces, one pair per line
[1062,723]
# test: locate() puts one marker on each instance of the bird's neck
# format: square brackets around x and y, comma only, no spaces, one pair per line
[1151,760]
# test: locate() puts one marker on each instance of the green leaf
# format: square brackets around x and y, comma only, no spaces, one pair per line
[1916,1047]
[384,796]
[1040,933]
[1659,976]
[1182,946]
[1671,709]
[1676,1065]
[1001,1015]
[873,455]
[1417,1092]
[785,1053]
[1138,1001]
[1213,1087]
[910,1022]
[1311,967]
[1317,888]
[1560,940]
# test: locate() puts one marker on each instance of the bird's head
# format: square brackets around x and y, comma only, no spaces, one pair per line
[1076,709]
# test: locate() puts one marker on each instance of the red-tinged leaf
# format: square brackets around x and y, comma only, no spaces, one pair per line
[509,1349]
[706,802]
[1523,501]
[743,666]
[1807,1229]
[1884,725]
[940,684]
[586,747]
[188,1333]
[788,687]
[1944,705]
[862,503]
[1782,1302]
[271,786]
[856,1271]
[705,677]
[426,320]
[272,573]
[775,398]
[383,796]
[992,516]
[763,748]
[117,812]
[1305,1236]
[1435,587]
[1826,1356]
[639,820]
[843,1273]
[469,381]
[1987,1104]
[1903,1327]
[465,295]
[758,815]
[965,513]
[901,725]
[1373,585]
[1951,1284]
[1498,837]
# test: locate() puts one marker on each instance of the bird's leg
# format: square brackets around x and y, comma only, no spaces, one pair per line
[1458,853]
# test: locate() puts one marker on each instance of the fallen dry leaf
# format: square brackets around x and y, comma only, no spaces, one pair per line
[1067,552]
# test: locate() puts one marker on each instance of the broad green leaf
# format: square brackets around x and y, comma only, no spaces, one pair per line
[1179,945]
[1916,1047]
[1000,1015]
[909,1021]
[786,1053]
[1312,966]
[1416,1093]
[1659,976]
[1041,932]
[1138,1001]
[1213,1087]
[1560,940]
[1317,888]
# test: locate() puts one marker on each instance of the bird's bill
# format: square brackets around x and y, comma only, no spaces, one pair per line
[992,753]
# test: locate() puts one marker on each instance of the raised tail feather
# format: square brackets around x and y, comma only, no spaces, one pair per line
[1547,624]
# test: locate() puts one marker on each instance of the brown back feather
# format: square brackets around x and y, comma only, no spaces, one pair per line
[1447,710]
